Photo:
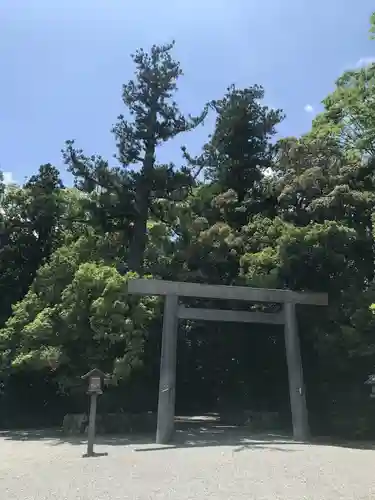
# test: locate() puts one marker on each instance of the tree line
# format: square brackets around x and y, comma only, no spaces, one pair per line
[250,209]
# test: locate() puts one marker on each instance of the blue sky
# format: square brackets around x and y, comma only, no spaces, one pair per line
[62,64]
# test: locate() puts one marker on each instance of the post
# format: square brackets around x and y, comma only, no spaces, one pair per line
[295,372]
[167,385]
[91,428]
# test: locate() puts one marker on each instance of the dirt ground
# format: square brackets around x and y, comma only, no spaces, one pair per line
[205,462]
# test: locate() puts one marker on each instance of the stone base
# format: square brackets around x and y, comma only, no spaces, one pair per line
[110,423]
[75,424]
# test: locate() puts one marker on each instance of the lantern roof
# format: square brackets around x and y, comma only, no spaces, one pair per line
[95,372]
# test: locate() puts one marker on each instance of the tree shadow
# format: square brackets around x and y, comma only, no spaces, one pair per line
[219,435]
[55,437]
[186,436]
[196,434]
[343,443]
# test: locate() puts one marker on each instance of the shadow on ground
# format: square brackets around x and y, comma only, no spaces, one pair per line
[188,434]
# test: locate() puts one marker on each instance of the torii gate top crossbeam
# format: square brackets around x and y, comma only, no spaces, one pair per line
[183,289]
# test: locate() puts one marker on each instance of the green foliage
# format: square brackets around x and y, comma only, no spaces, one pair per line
[319,257]
[349,112]
[239,152]
[29,232]
[77,315]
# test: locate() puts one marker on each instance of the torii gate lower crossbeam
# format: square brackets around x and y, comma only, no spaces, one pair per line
[173,312]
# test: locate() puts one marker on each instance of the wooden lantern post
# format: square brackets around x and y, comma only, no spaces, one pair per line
[96,378]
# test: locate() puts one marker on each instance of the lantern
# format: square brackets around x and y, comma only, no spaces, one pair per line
[95,378]
[371,381]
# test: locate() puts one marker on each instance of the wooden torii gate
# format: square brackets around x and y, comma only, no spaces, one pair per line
[173,311]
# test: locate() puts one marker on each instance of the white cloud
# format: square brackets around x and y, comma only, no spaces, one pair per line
[308,108]
[365,61]
[8,178]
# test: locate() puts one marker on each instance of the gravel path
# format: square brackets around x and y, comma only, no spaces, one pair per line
[205,465]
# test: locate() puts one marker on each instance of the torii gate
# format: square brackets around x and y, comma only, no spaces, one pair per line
[173,311]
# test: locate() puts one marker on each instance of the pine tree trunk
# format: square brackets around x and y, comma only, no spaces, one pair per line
[139,237]
[139,240]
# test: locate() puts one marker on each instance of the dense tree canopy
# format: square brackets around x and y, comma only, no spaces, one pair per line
[252,208]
